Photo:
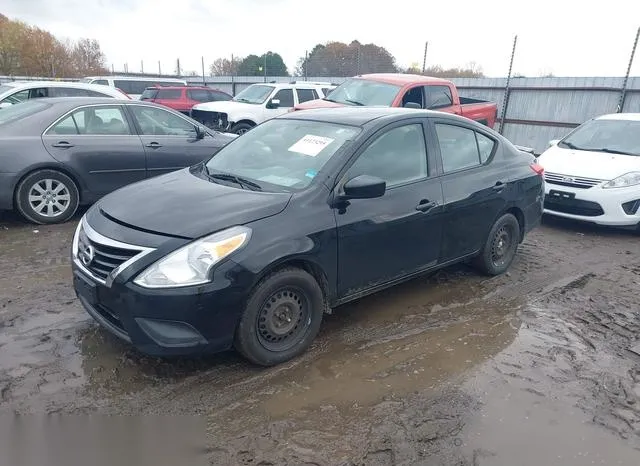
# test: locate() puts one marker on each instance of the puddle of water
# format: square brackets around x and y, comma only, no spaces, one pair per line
[533,398]
[417,358]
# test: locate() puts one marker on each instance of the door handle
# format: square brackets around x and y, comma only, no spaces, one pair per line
[426,206]
[62,144]
[499,186]
[153,145]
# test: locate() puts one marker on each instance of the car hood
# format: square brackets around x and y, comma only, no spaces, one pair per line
[226,106]
[318,103]
[588,164]
[184,205]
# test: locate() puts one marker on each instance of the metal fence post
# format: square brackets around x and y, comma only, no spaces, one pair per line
[623,91]
[424,60]
[507,92]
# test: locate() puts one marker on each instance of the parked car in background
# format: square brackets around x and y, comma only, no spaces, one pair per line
[12,93]
[326,86]
[406,90]
[133,85]
[301,214]
[183,98]
[58,153]
[254,105]
[593,173]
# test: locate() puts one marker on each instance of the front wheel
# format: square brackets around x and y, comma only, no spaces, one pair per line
[241,128]
[282,317]
[47,197]
[500,247]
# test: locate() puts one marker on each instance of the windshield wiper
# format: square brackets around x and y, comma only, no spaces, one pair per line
[354,102]
[571,146]
[613,151]
[330,100]
[243,182]
[242,99]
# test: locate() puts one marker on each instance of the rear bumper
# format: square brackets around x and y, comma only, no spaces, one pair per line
[7,181]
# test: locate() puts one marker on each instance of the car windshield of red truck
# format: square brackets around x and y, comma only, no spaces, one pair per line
[364,92]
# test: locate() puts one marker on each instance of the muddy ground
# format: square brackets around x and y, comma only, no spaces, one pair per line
[536,367]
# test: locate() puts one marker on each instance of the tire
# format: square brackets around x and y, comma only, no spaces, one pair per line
[241,128]
[500,247]
[46,197]
[266,338]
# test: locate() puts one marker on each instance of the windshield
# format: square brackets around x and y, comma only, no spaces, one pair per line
[363,92]
[285,153]
[254,94]
[607,136]
[21,110]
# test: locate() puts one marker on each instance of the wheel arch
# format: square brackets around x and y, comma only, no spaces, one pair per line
[49,166]
[308,265]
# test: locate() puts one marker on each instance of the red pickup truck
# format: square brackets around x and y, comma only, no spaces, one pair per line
[406,90]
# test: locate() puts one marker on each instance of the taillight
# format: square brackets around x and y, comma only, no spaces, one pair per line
[536,167]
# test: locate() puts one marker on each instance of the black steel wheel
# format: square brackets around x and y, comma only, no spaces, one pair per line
[282,317]
[500,247]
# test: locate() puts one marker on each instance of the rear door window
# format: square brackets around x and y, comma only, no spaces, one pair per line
[106,120]
[200,95]
[462,148]
[305,95]
[169,94]
[68,92]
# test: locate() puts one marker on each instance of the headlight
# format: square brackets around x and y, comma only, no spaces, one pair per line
[191,264]
[628,179]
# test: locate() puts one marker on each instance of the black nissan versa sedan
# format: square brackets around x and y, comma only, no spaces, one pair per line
[303,213]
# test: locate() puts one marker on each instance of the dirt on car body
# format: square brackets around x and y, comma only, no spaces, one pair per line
[538,366]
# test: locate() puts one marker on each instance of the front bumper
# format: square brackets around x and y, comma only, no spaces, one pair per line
[217,121]
[595,204]
[163,322]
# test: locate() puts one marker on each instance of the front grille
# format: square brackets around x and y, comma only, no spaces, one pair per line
[213,120]
[572,181]
[574,207]
[631,207]
[100,259]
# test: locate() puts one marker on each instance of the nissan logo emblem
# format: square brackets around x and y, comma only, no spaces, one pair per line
[86,253]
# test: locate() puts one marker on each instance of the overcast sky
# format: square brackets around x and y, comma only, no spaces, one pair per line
[563,37]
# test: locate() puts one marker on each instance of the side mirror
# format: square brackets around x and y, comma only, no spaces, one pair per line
[364,187]
[273,103]
[413,105]
[554,142]
[200,132]
[5,104]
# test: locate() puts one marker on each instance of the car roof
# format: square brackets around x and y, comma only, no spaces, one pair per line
[620,116]
[358,116]
[79,85]
[72,102]
[401,79]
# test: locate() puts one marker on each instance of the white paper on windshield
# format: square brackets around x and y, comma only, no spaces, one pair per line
[310,145]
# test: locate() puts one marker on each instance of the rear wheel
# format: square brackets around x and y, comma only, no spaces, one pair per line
[241,128]
[500,247]
[47,197]
[281,318]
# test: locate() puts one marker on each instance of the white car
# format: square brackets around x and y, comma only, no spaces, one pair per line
[17,91]
[133,86]
[256,104]
[593,173]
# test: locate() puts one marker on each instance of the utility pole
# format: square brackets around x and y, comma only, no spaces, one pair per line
[305,67]
[424,60]
[623,91]
[142,66]
[264,67]
[178,67]
[159,69]
[204,80]
[505,99]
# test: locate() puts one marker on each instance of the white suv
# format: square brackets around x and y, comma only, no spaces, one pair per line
[15,92]
[256,104]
